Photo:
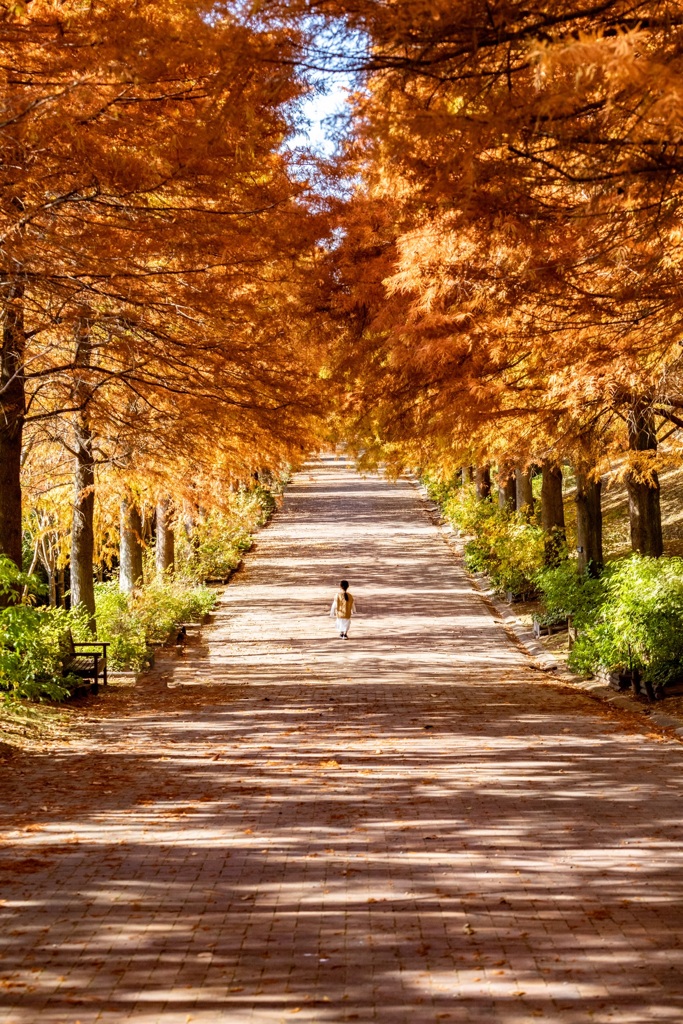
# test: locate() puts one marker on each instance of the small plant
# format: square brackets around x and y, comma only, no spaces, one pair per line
[31,639]
[638,622]
[519,546]
[567,592]
[470,514]
[440,489]
[505,546]
[214,547]
[131,624]
[266,501]
[118,625]
[164,604]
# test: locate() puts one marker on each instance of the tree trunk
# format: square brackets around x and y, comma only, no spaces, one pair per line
[507,489]
[12,416]
[165,540]
[483,482]
[552,513]
[524,495]
[130,555]
[466,475]
[589,523]
[643,494]
[82,528]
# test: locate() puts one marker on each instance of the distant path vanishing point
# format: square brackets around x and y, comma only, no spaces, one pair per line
[410,826]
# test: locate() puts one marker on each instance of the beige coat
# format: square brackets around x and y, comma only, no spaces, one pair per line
[342,609]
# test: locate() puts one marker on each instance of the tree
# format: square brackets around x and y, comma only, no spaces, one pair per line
[12,415]
[552,512]
[131,569]
[82,530]
[165,540]
[145,179]
[531,223]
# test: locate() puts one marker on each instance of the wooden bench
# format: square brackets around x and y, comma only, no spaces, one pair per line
[90,663]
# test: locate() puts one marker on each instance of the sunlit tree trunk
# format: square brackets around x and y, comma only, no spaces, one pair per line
[589,523]
[82,529]
[12,416]
[507,489]
[552,513]
[483,482]
[165,541]
[643,494]
[466,475]
[524,495]
[130,553]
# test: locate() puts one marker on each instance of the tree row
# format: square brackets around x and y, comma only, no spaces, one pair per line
[158,245]
[510,267]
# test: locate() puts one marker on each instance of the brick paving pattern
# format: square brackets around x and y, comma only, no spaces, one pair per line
[410,826]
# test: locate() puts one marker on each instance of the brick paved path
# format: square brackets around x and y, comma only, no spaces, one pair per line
[412,826]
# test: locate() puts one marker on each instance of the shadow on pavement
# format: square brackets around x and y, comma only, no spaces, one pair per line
[410,827]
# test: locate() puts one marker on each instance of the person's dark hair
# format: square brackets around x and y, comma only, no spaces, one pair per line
[345,586]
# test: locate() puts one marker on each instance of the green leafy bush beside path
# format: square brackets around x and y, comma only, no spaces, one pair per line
[133,624]
[502,543]
[31,639]
[34,639]
[629,619]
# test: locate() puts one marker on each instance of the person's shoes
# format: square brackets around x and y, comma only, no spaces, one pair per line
[345,635]
[341,636]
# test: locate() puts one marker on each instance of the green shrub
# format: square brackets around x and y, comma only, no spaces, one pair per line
[638,622]
[32,652]
[132,623]
[565,591]
[440,489]
[265,500]
[119,625]
[470,514]
[31,640]
[519,546]
[216,543]
[505,546]
[164,604]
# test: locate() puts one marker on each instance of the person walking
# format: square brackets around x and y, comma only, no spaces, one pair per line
[342,609]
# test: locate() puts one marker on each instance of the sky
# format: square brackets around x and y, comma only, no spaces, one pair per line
[336,49]
[320,111]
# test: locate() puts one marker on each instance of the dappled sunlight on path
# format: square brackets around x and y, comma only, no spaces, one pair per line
[410,826]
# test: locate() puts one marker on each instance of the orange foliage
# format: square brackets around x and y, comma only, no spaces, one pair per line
[524,165]
[156,247]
